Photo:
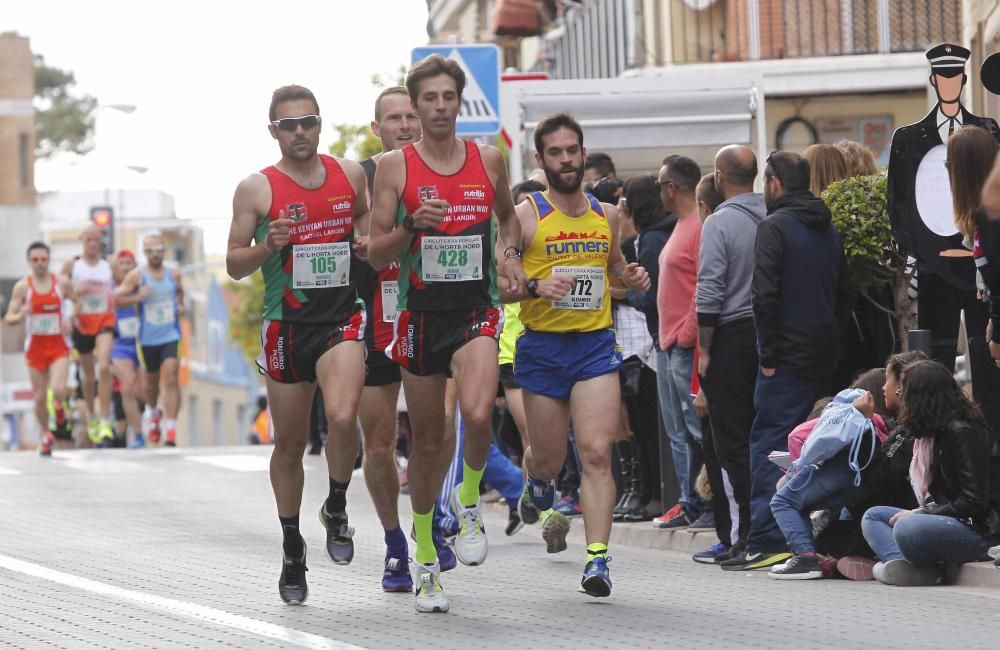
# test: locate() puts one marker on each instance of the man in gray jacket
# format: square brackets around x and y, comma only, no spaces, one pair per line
[727,346]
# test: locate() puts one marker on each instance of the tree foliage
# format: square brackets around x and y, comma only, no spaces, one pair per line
[63,120]
[246,319]
[355,141]
[860,210]
[861,214]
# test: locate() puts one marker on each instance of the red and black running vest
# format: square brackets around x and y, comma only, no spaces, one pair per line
[462,244]
[309,281]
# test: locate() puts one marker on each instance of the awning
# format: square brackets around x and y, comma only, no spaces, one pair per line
[633,120]
[638,121]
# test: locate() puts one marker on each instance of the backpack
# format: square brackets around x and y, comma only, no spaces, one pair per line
[839,427]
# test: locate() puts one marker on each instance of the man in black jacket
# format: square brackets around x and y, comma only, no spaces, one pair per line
[798,279]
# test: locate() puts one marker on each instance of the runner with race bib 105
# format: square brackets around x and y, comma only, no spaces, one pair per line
[303,212]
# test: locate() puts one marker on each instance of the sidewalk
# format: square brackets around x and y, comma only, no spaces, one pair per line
[644,536]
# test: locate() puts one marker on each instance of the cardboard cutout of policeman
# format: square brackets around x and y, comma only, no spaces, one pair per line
[921,212]
[919,191]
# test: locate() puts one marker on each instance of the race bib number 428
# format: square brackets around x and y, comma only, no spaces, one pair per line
[587,292]
[321,266]
[452,259]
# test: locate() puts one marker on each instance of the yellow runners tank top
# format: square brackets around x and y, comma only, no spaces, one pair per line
[577,246]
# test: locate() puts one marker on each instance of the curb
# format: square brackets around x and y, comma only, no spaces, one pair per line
[642,535]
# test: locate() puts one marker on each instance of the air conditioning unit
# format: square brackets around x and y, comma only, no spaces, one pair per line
[517,18]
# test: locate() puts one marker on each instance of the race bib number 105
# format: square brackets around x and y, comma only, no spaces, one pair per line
[321,266]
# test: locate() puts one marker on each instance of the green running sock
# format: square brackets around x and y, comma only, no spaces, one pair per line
[468,492]
[596,550]
[422,525]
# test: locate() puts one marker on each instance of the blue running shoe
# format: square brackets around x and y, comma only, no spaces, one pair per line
[569,507]
[711,554]
[597,578]
[139,442]
[396,576]
[446,556]
[542,493]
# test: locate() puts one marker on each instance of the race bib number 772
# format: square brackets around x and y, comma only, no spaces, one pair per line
[587,291]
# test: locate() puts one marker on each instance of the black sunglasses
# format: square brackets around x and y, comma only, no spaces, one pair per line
[292,123]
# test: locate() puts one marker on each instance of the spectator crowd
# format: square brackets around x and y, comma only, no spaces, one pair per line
[745,383]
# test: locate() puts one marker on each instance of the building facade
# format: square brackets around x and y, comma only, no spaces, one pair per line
[828,69]
[18,211]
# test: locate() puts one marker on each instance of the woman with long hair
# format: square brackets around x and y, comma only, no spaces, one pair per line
[971,151]
[955,474]
[826,165]
[859,158]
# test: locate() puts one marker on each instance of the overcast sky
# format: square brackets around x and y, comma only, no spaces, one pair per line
[201,75]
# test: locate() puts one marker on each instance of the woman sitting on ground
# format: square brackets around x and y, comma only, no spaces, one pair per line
[955,474]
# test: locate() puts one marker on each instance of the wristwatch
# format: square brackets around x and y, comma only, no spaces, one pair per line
[532,287]
[512,252]
[409,227]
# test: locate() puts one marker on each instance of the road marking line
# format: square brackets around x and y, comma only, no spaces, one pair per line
[235,462]
[5,471]
[190,610]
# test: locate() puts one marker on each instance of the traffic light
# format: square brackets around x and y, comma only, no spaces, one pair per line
[104,218]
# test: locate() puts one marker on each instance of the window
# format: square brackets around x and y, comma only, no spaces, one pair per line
[24,156]
[242,426]
[218,434]
[193,422]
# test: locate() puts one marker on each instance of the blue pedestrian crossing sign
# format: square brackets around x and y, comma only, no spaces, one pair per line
[480,113]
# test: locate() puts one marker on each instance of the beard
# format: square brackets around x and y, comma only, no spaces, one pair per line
[556,181]
[297,152]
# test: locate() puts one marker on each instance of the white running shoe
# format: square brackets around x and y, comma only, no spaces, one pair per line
[430,593]
[471,545]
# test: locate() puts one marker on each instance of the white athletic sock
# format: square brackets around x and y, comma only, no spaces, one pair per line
[170,424]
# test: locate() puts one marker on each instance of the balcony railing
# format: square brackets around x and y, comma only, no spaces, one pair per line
[741,30]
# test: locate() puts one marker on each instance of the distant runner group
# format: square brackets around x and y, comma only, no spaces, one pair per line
[119,324]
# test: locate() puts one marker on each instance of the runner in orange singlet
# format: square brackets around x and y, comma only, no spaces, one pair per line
[38,298]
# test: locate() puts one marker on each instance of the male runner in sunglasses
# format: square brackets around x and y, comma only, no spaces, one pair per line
[159,298]
[38,297]
[296,222]
[449,317]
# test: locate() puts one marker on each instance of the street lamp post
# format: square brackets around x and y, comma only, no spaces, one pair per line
[126,109]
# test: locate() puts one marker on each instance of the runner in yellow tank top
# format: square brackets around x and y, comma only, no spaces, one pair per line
[575,246]
[567,361]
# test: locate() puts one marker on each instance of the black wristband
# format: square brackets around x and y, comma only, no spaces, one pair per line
[409,227]
[532,287]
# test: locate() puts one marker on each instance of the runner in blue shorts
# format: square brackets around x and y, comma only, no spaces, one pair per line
[124,357]
[567,360]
